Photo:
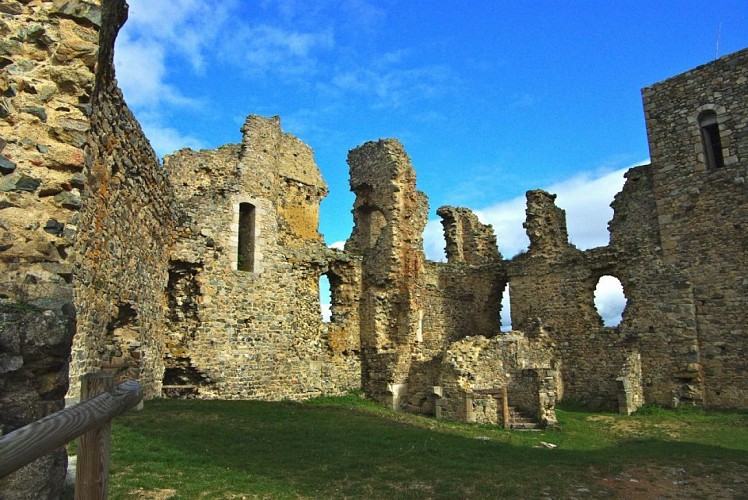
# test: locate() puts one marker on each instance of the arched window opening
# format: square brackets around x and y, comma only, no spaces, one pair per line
[325,298]
[246,247]
[506,311]
[710,139]
[610,300]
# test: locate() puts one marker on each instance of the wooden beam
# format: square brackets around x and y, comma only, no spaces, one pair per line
[28,443]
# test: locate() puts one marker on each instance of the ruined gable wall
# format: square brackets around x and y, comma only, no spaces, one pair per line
[253,332]
[554,283]
[702,212]
[125,234]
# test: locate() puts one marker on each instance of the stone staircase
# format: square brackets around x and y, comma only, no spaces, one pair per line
[522,421]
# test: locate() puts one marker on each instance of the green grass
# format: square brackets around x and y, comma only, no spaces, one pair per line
[349,447]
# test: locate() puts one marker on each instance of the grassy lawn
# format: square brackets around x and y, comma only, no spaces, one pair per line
[349,447]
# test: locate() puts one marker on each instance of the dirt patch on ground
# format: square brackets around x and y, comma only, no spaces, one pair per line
[722,480]
[157,494]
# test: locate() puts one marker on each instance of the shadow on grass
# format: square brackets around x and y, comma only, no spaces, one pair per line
[223,448]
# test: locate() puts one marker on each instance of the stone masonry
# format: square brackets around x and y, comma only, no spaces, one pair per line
[48,52]
[244,310]
[200,277]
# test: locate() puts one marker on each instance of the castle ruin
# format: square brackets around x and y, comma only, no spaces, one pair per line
[200,277]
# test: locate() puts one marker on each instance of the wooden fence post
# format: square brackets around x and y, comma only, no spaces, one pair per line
[92,470]
[505,407]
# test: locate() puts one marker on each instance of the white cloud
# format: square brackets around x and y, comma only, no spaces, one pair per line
[166,140]
[141,73]
[587,200]
[339,245]
[285,52]
[326,313]
[507,218]
[610,300]
[156,35]
[389,83]
[585,197]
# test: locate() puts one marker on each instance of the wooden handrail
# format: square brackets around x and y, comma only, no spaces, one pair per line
[28,443]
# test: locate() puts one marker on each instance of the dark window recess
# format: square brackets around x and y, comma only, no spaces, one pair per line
[246,257]
[711,140]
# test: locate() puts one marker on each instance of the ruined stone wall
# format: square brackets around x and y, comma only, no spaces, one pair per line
[246,322]
[125,232]
[411,310]
[389,216]
[47,55]
[475,370]
[460,298]
[659,318]
[553,283]
[678,246]
[702,212]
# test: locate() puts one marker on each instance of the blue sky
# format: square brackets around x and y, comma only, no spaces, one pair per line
[490,98]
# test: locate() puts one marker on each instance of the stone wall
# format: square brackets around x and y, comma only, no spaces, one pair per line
[678,247]
[245,316]
[202,277]
[554,282]
[125,232]
[475,370]
[47,56]
[389,216]
[701,214]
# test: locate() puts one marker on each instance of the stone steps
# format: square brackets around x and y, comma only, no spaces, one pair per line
[521,421]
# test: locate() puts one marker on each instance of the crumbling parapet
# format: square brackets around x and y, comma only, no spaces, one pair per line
[545,224]
[467,239]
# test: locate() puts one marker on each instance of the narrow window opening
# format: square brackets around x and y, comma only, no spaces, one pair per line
[506,310]
[610,300]
[325,298]
[710,139]
[246,256]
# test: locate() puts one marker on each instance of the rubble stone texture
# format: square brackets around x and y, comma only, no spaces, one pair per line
[48,51]
[200,278]
[244,308]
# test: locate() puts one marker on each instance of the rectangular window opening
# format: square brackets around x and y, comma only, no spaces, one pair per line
[712,146]
[246,257]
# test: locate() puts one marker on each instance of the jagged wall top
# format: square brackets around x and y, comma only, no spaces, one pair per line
[265,145]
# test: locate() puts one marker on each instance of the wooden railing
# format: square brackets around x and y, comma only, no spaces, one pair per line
[90,419]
